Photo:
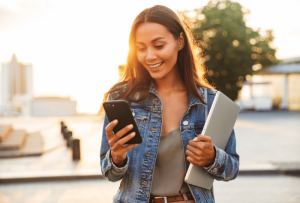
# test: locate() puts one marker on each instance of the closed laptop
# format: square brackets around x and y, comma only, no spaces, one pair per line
[218,125]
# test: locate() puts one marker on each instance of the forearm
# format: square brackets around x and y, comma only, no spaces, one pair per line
[226,164]
[110,171]
[225,167]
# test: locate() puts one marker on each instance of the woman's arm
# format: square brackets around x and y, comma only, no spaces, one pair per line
[226,164]
[113,152]
[109,170]
[222,165]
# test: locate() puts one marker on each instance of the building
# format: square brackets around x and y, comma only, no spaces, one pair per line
[17,94]
[53,106]
[280,83]
[16,87]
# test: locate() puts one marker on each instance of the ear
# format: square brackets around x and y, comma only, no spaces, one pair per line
[181,41]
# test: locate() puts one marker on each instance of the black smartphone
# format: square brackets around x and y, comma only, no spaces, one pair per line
[119,109]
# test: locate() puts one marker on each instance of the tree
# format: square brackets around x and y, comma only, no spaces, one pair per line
[231,50]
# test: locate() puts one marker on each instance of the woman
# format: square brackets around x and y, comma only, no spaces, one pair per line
[165,86]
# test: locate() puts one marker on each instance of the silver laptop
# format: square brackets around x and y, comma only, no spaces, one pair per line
[218,126]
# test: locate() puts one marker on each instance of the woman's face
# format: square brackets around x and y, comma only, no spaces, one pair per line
[157,50]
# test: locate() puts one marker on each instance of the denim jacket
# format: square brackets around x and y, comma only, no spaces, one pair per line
[137,175]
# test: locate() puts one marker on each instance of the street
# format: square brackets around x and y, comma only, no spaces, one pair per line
[265,140]
[246,189]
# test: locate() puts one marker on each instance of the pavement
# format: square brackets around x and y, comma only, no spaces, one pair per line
[245,188]
[268,143]
[56,162]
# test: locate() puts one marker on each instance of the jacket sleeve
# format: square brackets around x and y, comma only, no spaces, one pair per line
[109,170]
[226,165]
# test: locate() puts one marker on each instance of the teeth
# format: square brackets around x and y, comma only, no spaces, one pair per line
[154,66]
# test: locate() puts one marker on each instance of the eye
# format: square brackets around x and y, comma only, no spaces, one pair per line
[141,48]
[159,46]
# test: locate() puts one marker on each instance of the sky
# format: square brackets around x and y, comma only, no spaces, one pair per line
[76,46]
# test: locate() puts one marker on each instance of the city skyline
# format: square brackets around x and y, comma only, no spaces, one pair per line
[16,87]
[76,47]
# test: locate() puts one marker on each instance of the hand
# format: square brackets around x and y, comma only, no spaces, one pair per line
[201,151]
[117,145]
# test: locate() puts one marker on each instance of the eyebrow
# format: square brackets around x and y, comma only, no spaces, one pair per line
[154,40]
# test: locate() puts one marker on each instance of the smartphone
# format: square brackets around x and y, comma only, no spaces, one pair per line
[119,109]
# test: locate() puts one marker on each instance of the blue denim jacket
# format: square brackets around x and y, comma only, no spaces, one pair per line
[137,175]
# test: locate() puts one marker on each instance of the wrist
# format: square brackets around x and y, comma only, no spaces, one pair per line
[209,164]
[213,159]
[118,161]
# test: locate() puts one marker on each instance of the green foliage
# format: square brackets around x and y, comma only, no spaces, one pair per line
[231,49]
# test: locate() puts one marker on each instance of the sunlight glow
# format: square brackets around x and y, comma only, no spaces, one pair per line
[76,46]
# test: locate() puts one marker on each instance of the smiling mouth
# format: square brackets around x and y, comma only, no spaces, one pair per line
[156,65]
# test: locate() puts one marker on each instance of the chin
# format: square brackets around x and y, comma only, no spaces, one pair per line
[157,76]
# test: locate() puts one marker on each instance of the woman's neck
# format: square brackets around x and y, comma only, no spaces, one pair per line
[170,83]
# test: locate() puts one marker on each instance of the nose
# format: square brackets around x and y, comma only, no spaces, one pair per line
[150,55]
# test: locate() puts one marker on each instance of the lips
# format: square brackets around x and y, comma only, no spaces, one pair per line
[155,65]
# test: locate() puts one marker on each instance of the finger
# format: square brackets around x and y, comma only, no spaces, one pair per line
[128,147]
[192,155]
[192,161]
[109,129]
[198,145]
[194,150]
[122,132]
[202,138]
[125,139]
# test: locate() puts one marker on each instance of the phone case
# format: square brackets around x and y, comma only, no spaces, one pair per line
[119,109]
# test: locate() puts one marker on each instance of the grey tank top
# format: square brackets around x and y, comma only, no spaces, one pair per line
[169,168]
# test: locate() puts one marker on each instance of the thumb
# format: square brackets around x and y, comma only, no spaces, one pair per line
[197,138]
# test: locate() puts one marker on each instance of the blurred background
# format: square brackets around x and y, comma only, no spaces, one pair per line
[59,57]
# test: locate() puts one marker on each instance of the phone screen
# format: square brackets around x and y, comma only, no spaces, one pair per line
[119,109]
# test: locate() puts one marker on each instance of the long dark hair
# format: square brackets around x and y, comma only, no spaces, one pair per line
[137,78]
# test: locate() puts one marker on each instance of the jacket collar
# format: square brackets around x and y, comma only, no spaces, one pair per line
[192,99]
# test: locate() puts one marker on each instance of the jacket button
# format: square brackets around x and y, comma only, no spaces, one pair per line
[143,183]
[215,170]
[185,122]
[148,155]
[153,129]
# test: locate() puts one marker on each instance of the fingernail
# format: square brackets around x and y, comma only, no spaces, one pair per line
[130,126]
[195,139]
[132,134]
[115,121]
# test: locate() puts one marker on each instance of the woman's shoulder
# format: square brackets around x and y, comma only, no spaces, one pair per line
[208,90]
[125,91]
[116,90]
[210,94]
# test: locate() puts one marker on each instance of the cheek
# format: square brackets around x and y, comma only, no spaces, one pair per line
[139,57]
[170,55]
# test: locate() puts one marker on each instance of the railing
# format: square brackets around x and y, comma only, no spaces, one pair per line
[71,142]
